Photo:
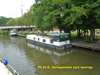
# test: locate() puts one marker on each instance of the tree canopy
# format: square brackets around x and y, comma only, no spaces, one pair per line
[4,20]
[68,15]
[65,15]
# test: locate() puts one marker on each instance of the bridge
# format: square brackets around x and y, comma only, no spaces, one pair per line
[12,27]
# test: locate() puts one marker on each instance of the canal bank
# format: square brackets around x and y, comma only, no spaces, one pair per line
[22,35]
[92,46]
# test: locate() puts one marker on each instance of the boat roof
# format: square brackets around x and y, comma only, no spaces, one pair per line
[57,34]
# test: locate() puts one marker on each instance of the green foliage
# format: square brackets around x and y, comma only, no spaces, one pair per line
[4,32]
[87,40]
[4,20]
[12,22]
[20,33]
[25,33]
[30,33]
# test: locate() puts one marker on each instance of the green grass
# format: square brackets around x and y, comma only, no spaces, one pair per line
[73,34]
[87,40]
[97,30]
[97,37]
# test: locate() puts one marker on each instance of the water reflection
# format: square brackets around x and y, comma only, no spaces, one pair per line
[55,54]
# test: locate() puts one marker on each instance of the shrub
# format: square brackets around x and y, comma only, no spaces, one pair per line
[24,33]
[5,32]
[33,33]
[20,32]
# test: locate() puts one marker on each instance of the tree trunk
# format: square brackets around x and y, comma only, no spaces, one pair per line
[65,30]
[91,33]
[87,33]
[60,30]
[78,33]
[84,33]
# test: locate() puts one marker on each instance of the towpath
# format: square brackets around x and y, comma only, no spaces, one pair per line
[93,46]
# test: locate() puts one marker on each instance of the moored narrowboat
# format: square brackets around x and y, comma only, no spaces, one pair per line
[57,41]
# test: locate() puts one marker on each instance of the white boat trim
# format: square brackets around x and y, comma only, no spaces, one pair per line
[4,70]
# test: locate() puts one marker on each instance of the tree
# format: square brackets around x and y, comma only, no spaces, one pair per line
[4,20]
[12,22]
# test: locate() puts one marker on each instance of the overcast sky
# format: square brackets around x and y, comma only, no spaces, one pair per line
[12,8]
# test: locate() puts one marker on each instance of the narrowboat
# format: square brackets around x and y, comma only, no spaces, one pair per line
[57,41]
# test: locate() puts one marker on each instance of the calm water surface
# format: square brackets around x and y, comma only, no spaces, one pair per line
[27,58]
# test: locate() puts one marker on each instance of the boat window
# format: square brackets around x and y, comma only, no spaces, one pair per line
[34,37]
[56,38]
[38,39]
[64,37]
[44,40]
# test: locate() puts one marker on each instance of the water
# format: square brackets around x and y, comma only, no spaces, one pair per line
[31,59]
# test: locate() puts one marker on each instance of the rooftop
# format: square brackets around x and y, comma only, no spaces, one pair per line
[57,34]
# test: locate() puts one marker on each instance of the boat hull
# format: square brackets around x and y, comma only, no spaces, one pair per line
[51,46]
[12,34]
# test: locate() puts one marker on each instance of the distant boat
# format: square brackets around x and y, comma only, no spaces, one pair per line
[4,70]
[57,41]
[12,33]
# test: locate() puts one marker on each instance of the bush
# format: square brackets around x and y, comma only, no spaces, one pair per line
[33,33]
[20,32]
[4,32]
[87,40]
[24,33]
[29,33]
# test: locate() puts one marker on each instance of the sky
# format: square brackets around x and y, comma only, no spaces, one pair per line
[12,8]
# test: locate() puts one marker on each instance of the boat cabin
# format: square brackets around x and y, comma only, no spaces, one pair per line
[12,31]
[59,37]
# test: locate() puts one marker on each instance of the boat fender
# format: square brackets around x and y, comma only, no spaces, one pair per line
[51,40]
[5,62]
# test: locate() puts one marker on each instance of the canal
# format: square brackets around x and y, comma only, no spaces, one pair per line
[32,59]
